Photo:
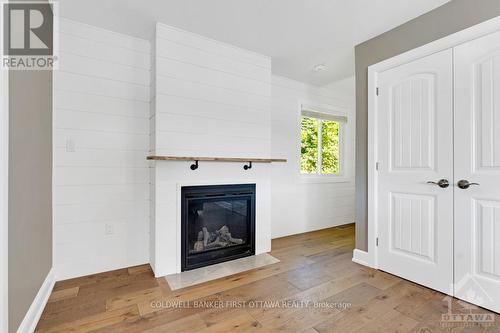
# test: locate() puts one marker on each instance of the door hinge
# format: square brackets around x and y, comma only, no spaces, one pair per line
[377,91]
[377,166]
[376,241]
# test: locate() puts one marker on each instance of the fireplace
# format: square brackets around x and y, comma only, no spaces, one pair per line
[217,224]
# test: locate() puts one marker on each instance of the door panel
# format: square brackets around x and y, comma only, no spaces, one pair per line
[487,237]
[487,136]
[412,225]
[412,126]
[415,145]
[477,159]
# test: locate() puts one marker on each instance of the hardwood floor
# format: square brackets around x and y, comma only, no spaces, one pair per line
[315,267]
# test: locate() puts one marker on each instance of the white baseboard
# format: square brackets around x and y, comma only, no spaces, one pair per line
[361,257]
[84,268]
[34,313]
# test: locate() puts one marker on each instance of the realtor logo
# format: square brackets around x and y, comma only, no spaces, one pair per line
[28,35]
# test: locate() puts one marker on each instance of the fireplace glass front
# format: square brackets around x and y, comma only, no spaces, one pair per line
[218,224]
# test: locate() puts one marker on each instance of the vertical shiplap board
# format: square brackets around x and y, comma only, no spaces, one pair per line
[298,203]
[152,151]
[212,99]
[101,139]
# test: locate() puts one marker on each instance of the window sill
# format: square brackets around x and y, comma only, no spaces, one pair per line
[320,179]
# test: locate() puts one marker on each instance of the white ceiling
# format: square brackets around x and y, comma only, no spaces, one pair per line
[297,34]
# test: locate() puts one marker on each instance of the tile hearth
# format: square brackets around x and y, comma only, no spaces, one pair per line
[209,273]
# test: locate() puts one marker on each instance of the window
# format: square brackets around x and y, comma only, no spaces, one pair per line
[321,143]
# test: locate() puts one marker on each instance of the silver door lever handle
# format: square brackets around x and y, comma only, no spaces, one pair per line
[443,183]
[464,184]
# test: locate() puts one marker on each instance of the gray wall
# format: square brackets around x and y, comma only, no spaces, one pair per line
[30,188]
[445,20]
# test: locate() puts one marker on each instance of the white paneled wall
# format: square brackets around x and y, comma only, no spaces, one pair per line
[211,99]
[118,99]
[101,139]
[300,204]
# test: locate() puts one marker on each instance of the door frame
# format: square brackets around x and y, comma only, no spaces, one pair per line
[4,193]
[370,257]
[4,198]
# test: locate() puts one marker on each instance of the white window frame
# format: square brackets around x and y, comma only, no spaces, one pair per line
[324,112]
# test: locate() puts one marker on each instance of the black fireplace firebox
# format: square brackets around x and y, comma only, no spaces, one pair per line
[217,224]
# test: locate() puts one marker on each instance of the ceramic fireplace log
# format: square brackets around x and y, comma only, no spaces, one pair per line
[212,240]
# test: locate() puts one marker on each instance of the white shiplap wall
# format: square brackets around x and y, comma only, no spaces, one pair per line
[301,204]
[101,139]
[207,98]
[211,99]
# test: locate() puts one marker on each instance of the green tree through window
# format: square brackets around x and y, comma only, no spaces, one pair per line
[309,147]
[319,138]
[330,147]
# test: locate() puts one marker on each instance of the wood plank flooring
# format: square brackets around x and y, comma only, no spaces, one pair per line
[315,270]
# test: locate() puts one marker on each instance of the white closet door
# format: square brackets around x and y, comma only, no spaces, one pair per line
[415,146]
[477,160]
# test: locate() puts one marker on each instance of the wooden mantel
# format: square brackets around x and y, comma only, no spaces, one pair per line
[216,159]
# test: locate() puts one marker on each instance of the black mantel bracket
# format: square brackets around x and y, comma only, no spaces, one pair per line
[195,165]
